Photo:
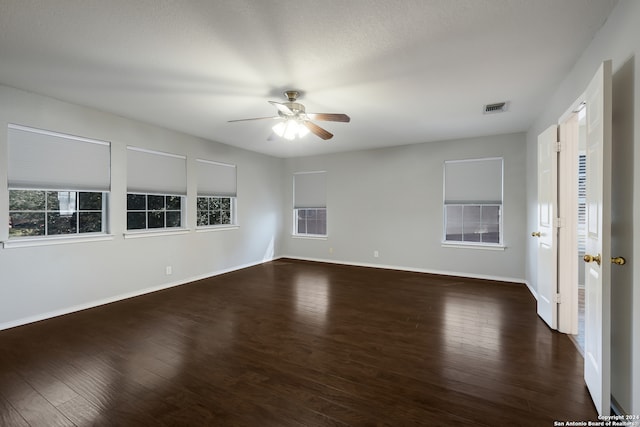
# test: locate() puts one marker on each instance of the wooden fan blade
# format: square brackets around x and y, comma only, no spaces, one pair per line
[317,130]
[256,118]
[281,107]
[330,117]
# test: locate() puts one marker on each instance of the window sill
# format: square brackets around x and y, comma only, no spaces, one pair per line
[480,246]
[309,236]
[155,233]
[216,228]
[26,242]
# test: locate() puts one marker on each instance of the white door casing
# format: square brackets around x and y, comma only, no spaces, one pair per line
[597,363]
[546,231]
[569,134]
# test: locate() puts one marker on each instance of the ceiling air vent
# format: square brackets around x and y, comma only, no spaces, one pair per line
[498,107]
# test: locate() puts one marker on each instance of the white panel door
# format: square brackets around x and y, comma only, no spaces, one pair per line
[598,251]
[546,233]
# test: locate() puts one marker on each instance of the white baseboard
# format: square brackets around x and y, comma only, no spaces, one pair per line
[120,297]
[533,291]
[412,269]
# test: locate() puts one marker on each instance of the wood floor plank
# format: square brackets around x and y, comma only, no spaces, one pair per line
[9,416]
[295,343]
[51,388]
[34,408]
[80,411]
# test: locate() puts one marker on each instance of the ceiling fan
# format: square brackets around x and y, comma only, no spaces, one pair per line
[296,122]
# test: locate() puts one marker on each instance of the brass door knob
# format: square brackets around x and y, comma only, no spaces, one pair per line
[591,258]
[619,260]
[535,234]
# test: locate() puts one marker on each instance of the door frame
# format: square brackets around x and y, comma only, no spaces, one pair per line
[547,227]
[569,132]
[563,234]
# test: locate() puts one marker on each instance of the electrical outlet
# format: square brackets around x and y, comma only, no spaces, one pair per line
[168,270]
[330,250]
[376,254]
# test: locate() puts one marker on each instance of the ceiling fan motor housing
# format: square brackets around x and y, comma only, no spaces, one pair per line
[291,95]
[296,107]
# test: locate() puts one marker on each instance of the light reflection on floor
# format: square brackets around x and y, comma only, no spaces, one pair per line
[312,295]
[480,334]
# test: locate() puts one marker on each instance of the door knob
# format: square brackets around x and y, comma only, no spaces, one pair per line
[619,260]
[591,258]
[535,234]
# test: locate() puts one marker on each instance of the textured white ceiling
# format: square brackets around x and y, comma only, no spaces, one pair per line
[406,71]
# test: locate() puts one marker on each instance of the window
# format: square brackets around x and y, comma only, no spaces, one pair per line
[156,188]
[582,205]
[58,184]
[472,223]
[215,211]
[311,221]
[216,204]
[309,204]
[147,211]
[473,201]
[48,213]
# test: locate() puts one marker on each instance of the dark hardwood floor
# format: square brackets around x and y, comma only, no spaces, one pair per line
[292,343]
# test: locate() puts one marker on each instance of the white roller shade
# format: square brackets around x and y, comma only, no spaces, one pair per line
[216,179]
[156,172]
[40,159]
[473,181]
[310,190]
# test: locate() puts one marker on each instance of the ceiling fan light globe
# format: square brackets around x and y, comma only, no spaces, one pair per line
[290,130]
[302,130]
[279,128]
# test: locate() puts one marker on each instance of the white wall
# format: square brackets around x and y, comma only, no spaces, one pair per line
[618,40]
[38,282]
[390,200]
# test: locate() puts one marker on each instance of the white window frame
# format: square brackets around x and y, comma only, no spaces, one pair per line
[479,230]
[75,210]
[297,233]
[481,203]
[156,173]
[147,211]
[232,214]
[216,180]
[47,161]
[314,198]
